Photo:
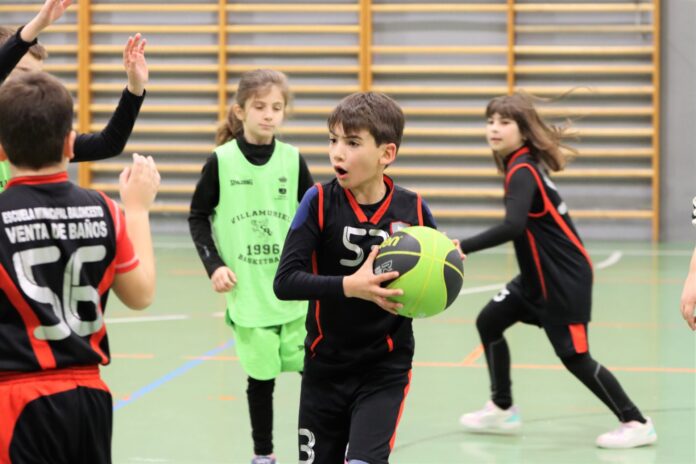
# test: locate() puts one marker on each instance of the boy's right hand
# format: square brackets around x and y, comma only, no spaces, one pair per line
[223,279]
[364,284]
[138,184]
[49,13]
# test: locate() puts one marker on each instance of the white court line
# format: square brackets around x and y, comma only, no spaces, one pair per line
[599,251]
[495,251]
[125,320]
[485,288]
[613,258]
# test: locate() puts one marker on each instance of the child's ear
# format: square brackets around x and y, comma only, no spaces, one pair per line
[69,145]
[389,154]
[238,112]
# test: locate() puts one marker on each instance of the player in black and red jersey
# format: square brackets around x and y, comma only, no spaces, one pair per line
[554,287]
[358,353]
[62,248]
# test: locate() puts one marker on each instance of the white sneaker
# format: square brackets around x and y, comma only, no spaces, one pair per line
[492,419]
[629,435]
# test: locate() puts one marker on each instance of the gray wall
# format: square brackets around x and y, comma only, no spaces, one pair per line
[678,118]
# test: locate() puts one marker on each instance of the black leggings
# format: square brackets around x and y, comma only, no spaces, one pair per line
[260,398]
[507,309]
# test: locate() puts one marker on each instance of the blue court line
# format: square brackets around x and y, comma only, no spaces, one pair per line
[171,376]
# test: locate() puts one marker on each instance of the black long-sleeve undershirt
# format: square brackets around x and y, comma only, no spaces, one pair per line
[520,199]
[88,147]
[207,196]
[11,52]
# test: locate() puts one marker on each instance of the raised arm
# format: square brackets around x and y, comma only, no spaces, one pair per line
[112,139]
[51,11]
[138,185]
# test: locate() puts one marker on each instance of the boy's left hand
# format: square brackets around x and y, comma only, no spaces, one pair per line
[364,284]
[135,64]
[457,245]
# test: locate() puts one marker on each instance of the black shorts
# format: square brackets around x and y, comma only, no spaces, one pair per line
[567,338]
[362,410]
[58,417]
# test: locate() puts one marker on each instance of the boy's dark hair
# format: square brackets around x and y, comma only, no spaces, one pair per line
[375,112]
[37,50]
[36,114]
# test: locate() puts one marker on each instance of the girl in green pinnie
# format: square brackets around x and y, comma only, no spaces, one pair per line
[240,213]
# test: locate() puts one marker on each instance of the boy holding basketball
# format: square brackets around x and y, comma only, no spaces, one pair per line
[358,351]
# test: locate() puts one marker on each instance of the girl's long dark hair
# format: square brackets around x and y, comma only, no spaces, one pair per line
[252,83]
[545,140]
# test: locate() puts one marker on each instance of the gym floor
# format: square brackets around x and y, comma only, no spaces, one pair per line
[179,392]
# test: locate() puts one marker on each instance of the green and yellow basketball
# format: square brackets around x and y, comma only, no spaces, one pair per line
[430,270]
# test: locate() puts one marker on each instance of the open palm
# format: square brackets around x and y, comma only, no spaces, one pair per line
[52,10]
[135,64]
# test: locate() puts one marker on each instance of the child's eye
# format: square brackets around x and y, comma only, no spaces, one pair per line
[353,143]
[332,140]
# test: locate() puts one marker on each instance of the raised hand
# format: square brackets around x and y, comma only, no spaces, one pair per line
[47,15]
[135,64]
[138,184]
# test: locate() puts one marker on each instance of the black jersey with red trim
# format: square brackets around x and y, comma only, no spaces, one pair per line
[555,267]
[330,237]
[60,247]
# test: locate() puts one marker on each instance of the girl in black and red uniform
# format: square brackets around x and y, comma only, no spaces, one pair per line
[554,287]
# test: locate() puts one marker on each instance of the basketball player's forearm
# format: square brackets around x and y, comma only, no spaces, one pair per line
[301,285]
[113,138]
[10,53]
[31,30]
[492,237]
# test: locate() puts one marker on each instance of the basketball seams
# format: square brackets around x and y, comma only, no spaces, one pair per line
[413,253]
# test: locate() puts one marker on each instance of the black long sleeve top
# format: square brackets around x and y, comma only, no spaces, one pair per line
[88,147]
[207,196]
